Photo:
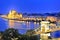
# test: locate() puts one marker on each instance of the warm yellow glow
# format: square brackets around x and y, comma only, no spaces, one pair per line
[53,25]
[11,14]
[44,26]
[11,23]
[51,18]
[14,15]
[20,15]
[34,22]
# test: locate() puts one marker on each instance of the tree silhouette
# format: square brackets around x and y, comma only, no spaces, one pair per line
[10,33]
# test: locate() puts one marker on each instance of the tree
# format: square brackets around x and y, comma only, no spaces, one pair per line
[10,33]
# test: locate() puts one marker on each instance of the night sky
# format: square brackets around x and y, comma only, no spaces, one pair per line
[29,6]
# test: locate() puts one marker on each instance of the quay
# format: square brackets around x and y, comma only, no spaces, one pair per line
[13,15]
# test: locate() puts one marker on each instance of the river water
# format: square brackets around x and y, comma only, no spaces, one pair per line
[22,26]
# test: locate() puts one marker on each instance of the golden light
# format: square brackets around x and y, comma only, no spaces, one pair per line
[11,23]
[51,18]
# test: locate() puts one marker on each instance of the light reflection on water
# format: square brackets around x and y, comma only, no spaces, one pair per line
[20,25]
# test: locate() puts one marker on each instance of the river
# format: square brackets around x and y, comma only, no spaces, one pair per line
[21,26]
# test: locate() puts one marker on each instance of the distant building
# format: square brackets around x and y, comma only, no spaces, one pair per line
[20,16]
[51,18]
[14,15]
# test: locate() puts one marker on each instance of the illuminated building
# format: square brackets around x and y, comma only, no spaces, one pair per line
[20,15]
[44,25]
[13,14]
[51,18]
[44,28]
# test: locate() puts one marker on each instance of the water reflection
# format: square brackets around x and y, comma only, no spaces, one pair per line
[11,23]
[22,26]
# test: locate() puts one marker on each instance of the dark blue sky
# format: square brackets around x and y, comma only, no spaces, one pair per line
[31,6]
